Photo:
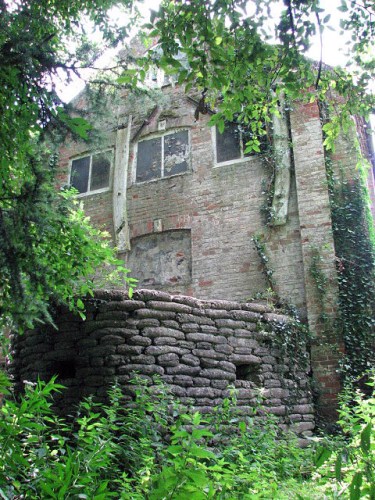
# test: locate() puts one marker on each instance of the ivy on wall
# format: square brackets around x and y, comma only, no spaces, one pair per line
[354,244]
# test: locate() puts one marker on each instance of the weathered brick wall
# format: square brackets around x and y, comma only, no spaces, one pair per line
[197,347]
[217,207]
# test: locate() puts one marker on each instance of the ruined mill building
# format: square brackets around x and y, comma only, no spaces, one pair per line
[182,203]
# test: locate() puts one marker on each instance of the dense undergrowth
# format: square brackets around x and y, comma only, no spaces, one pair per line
[156,449]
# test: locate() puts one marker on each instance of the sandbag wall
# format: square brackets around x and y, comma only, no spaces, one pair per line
[198,347]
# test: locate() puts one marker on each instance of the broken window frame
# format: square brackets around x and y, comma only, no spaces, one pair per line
[91,156]
[243,157]
[162,137]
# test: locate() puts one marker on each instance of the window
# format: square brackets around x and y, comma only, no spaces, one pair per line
[91,173]
[162,156]
[231,144]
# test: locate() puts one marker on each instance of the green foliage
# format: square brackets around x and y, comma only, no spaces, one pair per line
[227,49]
[349,465]
[152,448]
[261,250]
[47,247]
[355,252]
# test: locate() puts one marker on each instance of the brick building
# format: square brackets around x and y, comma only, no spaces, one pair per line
[182,203]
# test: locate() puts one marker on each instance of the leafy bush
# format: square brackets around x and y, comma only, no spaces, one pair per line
[348,464]
[151,447]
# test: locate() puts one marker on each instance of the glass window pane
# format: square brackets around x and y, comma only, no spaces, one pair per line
[100,169]
[176,153]
[228,143]
[79,174]
[149,160]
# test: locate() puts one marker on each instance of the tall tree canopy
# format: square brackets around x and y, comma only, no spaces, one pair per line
[246,60]
[47,247]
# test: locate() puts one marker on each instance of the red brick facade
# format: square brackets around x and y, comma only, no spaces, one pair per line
[217,209]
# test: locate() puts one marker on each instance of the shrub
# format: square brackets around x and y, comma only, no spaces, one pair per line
[149,448]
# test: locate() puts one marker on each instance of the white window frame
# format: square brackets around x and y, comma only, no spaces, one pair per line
[91,154]
[242,159]
[161,134]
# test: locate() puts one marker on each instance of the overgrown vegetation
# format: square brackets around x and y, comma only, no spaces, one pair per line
[355,252]
[154,448]
[47,246]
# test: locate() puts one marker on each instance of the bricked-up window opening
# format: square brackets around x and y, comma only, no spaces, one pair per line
[163,156]
[248,372]
[91,173]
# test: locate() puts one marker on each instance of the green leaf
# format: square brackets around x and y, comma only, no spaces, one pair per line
[338,466]
[355,486]
[366,439]
[321,456]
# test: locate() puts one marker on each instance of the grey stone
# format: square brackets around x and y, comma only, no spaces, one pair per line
[200,392]
[276,393]
[190,327]
[248,333]
[170,359]
[170,323]
[213,374]
[209,353]
[143,359]
[169,306]
[123,305]
[244,359]
[219,384]
[209,363]
[139,340]
[191,318]
[209,329]
[277,410]
[153,314]
[142,369]
[183,370]
[112,340]
[223,304]
[190,359]
[161,331]
[248,316]
[129,349]
[230,323]
[206,337]
[145,294]
[92,326]
[259,308]
[178,391]
[113,315]
[114,360]
[268,384]
[143,323]
[187,300]
[183,380]
[201,382]
[303,409]
[120,332]
[163,349]
[224,348]
[168,341]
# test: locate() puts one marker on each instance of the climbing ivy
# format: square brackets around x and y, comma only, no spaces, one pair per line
[354,244]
